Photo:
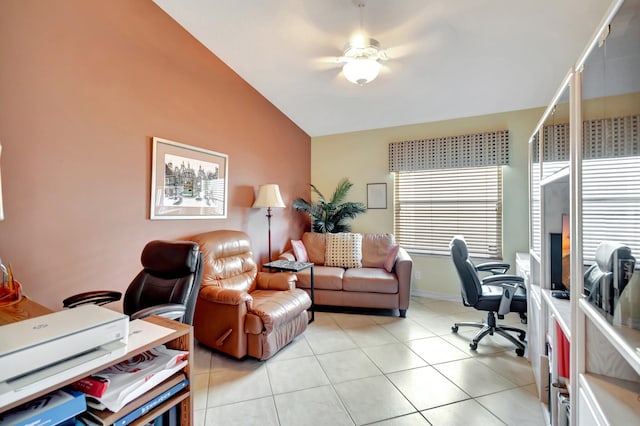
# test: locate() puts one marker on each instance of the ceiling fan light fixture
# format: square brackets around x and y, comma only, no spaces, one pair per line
[361,70]
[361,61]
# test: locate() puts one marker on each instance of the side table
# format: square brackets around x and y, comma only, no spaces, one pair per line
[292,266]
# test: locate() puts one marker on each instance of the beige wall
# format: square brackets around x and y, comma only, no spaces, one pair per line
[363,158]
[84,86]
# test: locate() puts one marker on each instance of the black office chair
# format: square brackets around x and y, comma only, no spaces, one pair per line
[167,286]
[498,293]
[601,287]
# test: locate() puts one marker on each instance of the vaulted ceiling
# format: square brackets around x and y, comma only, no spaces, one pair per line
[447,59]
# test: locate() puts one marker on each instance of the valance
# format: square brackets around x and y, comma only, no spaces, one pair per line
[475,150]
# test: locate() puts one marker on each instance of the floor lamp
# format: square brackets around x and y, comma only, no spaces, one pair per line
[269,197]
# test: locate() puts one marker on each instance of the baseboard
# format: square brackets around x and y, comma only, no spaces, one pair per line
[439,296]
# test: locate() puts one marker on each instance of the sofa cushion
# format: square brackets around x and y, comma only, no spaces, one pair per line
[343,250]
[390,261]
[299,251]
[324,278]
[369,280]
[375,248]
[314,243]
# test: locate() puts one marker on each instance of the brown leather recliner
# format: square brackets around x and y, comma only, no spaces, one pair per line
[240,311]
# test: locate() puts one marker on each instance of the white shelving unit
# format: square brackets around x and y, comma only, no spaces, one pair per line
[604,375]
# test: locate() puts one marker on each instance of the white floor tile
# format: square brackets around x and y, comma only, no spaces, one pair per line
[371,335]
[199,390]
[296,374]
[464,413]
[414,419]
[426,388]
[473,377]
[257,412]
[228,386]
[296,349]
[348,365]
[435,350]
[372,399]
[514,368]
[330,341]
[310,407]
[394,357]
[407,329]
[514,407]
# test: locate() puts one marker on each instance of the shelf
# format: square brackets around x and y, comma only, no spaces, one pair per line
[560,176]
[561,309]
[613,401]
[624,339]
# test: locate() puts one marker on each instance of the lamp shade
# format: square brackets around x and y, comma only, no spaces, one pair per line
[361,70]
[269,196]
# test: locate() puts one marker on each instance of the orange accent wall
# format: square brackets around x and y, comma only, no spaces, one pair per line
[84,86]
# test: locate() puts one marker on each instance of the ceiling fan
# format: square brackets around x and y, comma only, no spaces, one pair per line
[362,55]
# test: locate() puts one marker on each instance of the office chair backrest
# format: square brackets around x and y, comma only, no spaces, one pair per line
[469,281]
[598,280]
[172,274]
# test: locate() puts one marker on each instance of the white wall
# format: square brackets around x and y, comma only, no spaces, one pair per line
[363,158]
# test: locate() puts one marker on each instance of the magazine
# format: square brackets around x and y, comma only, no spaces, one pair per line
[134,376]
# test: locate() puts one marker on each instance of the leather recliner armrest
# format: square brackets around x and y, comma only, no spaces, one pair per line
[287,255]
[276,280]
[225,296]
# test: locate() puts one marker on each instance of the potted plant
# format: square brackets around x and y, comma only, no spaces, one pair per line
[329,216]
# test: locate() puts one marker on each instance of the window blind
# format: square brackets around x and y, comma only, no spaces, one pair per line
[431,206]
[610,203]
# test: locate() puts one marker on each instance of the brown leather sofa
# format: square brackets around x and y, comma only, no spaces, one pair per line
[375,284]
[240,311]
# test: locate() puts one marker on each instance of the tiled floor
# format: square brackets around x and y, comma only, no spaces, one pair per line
[348,369]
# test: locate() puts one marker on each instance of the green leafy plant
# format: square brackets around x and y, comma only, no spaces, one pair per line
[329,216]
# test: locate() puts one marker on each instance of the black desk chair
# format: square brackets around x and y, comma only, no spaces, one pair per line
[498,293]
[167,286]
[607,277]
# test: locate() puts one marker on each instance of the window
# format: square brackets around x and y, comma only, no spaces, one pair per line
[431,206]
[610,203]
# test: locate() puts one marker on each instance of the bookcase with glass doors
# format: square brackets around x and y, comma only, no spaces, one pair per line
[585,172]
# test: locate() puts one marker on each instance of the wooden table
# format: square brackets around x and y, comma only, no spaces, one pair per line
[24,309]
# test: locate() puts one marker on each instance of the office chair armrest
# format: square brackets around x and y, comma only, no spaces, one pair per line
[498,279]
[174,311]
[98,297]
[496,268]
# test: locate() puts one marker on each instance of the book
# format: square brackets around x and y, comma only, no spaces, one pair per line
[50,409]
[107,417]
[92,385]
[131,378]
[146,408]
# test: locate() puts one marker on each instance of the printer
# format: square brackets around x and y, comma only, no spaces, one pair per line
[41,342]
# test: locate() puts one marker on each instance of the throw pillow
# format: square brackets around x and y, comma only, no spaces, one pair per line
[344,250]
[299,251]
[390,261]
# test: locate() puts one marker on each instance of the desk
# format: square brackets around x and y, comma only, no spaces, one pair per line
[24,309]
[180,337]
[292,266]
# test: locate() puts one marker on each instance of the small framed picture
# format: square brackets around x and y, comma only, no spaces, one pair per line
[187,182]
[376,196]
